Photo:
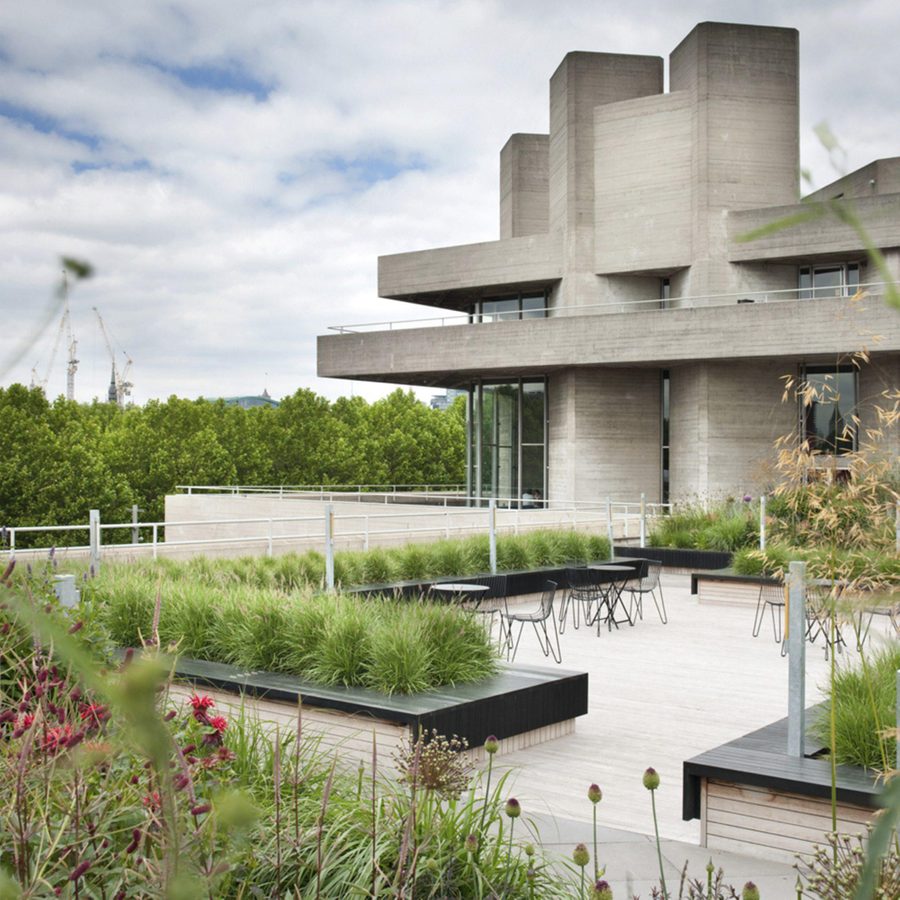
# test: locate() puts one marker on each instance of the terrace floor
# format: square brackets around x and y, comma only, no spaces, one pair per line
[659,694]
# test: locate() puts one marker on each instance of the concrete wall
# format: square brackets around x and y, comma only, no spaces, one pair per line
[879,177]
[604,434]
[469,268]
[879,388]
[744,85]
[524,188]
[817,238]
[724,419]
[642,178]
[582,82]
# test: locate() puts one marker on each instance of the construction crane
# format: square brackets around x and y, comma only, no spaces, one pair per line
[65,325]
[119,386]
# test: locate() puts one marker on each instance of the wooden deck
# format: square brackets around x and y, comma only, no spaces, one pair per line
[659,694]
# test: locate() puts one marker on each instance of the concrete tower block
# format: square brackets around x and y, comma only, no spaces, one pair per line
[524,192]
[744,79]
[582,82]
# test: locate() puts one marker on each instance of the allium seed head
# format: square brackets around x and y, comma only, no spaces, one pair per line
[580,855]
[513,808]
[601,890]
[491,744]
[651,779]
[595,795]
[750,891]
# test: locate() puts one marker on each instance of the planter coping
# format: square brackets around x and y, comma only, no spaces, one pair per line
[407,709]
[760,758]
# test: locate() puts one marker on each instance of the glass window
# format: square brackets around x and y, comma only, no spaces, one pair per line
[521,306]
[828,410]
[534,307]
[507,440]
[837,280]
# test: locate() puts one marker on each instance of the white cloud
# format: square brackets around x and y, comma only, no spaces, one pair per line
[229,230]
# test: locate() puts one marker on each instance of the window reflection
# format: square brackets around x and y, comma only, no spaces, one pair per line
[828,415]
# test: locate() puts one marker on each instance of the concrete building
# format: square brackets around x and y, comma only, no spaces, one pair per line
[621,336]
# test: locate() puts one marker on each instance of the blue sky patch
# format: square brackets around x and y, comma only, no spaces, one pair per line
[229,78]
[46,124]
[138,165]
[372,168]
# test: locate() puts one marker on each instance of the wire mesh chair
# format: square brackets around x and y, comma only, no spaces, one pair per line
[539,619]
[648,584]
[822,618]
[491,602]
[581,591]
[772,596]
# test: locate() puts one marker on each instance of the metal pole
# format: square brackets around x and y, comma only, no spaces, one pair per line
[329,546]
[762,521]
[796,638]
[609,526]
[643,519]
[155,527]
[94,534]
[135,535]
[269,547]
[492,524]
[366,537]
[12,543]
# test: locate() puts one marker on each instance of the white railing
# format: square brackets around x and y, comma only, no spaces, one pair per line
[615,306]
[354,529]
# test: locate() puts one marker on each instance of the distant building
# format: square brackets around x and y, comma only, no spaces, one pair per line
[251,402]
[442,401]
[623,337]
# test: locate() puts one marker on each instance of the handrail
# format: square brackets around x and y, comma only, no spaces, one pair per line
[672,304]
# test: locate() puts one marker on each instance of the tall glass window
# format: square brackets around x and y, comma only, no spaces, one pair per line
[507,442]
[664,435]
[828,408]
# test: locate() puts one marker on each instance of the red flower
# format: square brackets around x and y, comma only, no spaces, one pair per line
[152,801]
[56,738]
[201,702]
[94,714]
[219,723]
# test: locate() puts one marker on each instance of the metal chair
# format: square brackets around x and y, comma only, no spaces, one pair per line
[491,602]
[581,590]
[821,617]
[647,584]
[771,595]
[538,619]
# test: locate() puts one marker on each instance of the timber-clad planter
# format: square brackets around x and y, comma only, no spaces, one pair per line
[522,705]
[727,587]
[751,797]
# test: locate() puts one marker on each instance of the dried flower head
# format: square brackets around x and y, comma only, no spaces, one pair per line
[436,763]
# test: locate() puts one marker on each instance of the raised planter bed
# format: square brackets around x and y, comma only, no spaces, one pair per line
[521,705]
[677,558]
[518,583]
[751,797]
[726,587]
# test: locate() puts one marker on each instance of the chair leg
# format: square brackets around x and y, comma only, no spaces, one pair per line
[558,655]
[660,605]
[758,616]
[515,649]
[776,624]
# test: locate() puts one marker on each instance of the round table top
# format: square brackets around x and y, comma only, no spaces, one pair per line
[459,588]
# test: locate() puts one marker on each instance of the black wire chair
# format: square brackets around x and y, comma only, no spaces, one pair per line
[491,602]
[771,596]
[581,592]
[538,619]
[647,584]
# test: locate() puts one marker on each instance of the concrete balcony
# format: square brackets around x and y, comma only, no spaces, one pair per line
[820,328]
[451,276]
[879,216]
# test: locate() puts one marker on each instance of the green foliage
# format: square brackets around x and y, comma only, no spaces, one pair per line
[393,646]
[727,527]
[59,460]
[864,701]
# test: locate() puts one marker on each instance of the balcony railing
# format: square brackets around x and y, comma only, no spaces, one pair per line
[871,289]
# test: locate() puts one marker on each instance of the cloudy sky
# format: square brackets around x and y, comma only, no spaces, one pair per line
[232,169]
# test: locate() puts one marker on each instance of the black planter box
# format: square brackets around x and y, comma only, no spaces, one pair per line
[680,559]
[518,583]
[518,699]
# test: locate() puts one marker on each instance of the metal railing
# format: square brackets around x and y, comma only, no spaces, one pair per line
[655,304]
[354,529]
